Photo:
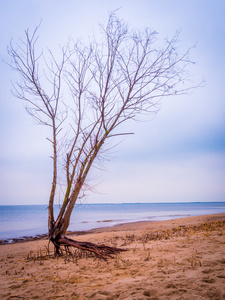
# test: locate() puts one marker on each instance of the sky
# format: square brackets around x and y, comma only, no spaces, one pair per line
[179,156]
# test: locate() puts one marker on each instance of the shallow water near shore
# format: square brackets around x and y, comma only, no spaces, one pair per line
[31,220]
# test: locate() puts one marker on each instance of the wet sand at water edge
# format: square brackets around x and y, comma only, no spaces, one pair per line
[175,259]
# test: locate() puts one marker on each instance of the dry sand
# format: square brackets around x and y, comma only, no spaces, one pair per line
[176,259]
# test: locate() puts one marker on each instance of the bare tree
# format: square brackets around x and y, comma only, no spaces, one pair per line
[86,95]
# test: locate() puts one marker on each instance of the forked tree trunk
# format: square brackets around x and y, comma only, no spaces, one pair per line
[57,235]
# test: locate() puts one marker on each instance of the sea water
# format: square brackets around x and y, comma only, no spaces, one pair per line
[31,220]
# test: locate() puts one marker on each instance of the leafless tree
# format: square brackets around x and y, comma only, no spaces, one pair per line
[86,94]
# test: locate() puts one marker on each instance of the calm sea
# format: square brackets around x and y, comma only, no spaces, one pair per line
[30,220]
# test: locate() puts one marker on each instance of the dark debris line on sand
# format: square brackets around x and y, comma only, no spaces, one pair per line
[37,237]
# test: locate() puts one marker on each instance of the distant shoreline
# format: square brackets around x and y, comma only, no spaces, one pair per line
[22,223]
[118,227]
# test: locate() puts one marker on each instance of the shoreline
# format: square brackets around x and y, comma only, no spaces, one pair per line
[174,259]
[24,239]
[91,216]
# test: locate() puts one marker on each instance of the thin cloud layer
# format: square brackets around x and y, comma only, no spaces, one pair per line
[178,156]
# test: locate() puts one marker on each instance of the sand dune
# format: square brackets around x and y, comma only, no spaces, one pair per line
[177,259]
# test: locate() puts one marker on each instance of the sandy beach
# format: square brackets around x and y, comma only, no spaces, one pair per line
[176,259]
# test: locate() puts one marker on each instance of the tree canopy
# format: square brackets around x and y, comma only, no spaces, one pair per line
[85,95]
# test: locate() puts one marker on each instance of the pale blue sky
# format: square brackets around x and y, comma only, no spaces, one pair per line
[177,157]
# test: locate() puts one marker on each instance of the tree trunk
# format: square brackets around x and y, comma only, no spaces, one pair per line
[58,236]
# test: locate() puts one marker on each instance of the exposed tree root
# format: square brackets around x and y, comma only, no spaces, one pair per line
[100,251]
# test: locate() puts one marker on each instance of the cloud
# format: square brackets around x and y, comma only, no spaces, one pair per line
[190,179]
[177,156]
[24,181]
